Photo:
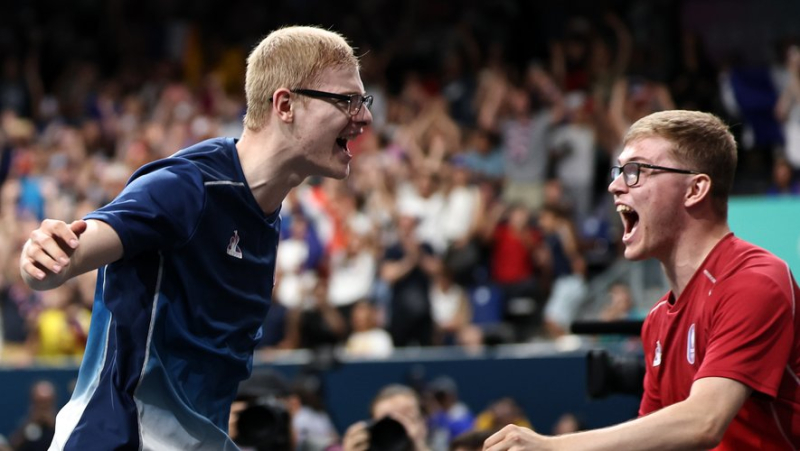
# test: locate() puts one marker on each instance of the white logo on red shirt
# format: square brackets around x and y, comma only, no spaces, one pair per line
[657,358]
[690,345]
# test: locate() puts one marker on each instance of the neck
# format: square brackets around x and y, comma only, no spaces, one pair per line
[268,168]
[692,248]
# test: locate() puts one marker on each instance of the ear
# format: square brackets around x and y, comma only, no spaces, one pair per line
[698,190]
[282,104]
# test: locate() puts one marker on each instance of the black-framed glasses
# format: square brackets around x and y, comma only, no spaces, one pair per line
[631,171]
[354,101]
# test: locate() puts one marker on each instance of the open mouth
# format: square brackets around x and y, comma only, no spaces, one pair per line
[630,220]
[342,143]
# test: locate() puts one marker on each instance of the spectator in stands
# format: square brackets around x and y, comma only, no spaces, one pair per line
[500,413]
[407,268]
[38,427]
[572,55]
[694,86]
[311,424]
[261,415]
[483,156]
[573,145]
[632,98]
[524,130]
[19,308]
[787,110]
[295,279]
[784,181]
[368,339]
[567,424]
[517,259]
[62,327]
[316,323]
[567,268]
[460,222]
[450,307]
[424,199]
[469,441]
[400,403]
[352,270]
[448,416]
[20,85]
[620,304]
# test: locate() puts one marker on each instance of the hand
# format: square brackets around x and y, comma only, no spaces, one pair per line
[356,438]
[516,438]
[49,248]
[410,247]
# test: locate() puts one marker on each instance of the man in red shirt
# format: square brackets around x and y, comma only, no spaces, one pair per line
[722,347]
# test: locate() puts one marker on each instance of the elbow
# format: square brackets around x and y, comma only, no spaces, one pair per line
[710,441]
[33,283]
[48,283]
[709,435]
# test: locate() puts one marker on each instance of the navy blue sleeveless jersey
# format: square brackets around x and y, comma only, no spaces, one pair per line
[176,320]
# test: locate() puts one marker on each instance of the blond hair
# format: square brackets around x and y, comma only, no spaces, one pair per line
[701,141]
[291,57]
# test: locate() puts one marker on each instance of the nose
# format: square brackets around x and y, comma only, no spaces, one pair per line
[364,117]
[617,185]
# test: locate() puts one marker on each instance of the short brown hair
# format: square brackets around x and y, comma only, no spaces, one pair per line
[291,57]
[392,390]
[701,141]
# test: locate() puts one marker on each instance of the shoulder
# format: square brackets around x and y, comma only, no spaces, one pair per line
[166,168]
[751,282]
[751,268]
[207,161]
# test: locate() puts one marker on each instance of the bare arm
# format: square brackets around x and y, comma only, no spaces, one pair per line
[489,109]
[699,422]
[57,251]
[332,317]
[664,97]
[616,108]
[392,271]
[791,93]
[624,43]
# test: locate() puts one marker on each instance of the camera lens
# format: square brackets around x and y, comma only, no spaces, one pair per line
[387,434]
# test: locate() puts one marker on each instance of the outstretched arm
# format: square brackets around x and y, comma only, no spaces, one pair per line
[57,251]
[699,422]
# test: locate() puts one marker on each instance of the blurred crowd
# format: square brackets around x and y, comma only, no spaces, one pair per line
[274,413]
[476,210]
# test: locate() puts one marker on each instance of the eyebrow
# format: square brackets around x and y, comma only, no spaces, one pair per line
[635,160]
[345,93]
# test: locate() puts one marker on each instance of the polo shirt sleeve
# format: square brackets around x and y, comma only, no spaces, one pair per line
[750,332]
[158,209]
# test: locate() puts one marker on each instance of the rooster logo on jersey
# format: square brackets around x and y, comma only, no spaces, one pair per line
[657,357]
[233,246]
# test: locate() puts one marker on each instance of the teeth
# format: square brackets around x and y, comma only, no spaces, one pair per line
[624,209]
